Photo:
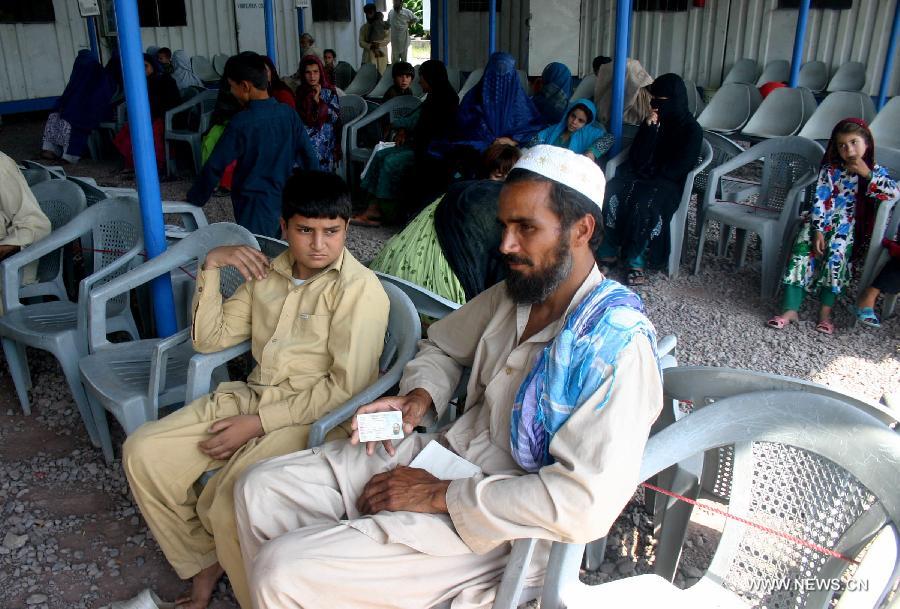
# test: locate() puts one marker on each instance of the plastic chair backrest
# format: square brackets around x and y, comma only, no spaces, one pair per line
[343,74]
[695,102]
[778,70]
[851,76]
[92,193]
[838,105]
[730,108]
[886,126]
[786,161]
[585,88]
[743,71]
[783,112]
[453,76]
[813,76]
[219,62]
[383,85]
[416,86]
[61,201]
[473,79]
[887,223]
[365,80]
[426,302]
[353,107]
[35,175]
[116,232]
[271,246]
[204,69]
[397,107]
[723,149]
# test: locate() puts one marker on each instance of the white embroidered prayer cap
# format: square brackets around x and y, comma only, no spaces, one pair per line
[566,167]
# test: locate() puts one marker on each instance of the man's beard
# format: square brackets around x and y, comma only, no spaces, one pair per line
[537,287]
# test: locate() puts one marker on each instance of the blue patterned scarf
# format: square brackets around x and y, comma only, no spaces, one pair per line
[573,367]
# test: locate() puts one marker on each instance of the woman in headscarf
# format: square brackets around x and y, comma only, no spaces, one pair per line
[78,111]
[556,89]
[577,131]
[646,191]
[320,110]
[453,246]
[850,189]
[163,95]
[392,177]
[637,95]
[277,87]
[182,72]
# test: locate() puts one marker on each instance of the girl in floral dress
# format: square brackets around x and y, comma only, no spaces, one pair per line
[320,111]
[850,189]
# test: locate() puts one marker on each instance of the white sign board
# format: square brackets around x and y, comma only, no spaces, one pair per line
[303,4]
[89,8]
[251,25]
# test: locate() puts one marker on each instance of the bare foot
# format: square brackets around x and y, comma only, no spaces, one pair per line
[202,586]
[791,316]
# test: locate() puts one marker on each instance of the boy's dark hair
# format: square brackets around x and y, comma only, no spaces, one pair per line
[403,68]
[165,51]
[247,67]
[499,158]
[567,203]
[327,51]
[315,194]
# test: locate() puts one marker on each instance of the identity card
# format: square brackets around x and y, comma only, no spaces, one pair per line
[377,426]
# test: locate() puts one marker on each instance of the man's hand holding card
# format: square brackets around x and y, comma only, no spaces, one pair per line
[411,407]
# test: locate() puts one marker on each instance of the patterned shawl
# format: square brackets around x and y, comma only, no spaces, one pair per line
[573,367]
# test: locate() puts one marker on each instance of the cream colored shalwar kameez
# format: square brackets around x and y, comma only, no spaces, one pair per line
[317,345]
[381,63]
[309,547]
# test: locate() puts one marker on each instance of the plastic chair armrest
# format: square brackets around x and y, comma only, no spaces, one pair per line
[186,210]
[179,109]
[614,162]
[666,345]
[158,365]
[510,589]
[320,428]
[201,366]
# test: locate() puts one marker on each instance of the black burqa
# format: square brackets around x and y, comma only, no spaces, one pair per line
[467,229]
[646,191]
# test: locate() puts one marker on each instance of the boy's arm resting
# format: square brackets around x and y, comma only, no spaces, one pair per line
[598,455]
[355,342]
[226,150]
[216,324]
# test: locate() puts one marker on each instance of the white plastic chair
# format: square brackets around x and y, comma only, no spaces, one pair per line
[60,327]
[364,81]
[353,109]
[585,88]
[394,108]
[837,106]
[453,77]
[57,172]
[426,302]
[695,101]
[387,79]
[777,70]
[678,222]
[851,76]
[133,380]
[813,76]
[790,164]
[744,71]
[197,112]
[218,64]
[35,175]
[783,112]
[473,79]
[204,69]
[730,108]
[886,126]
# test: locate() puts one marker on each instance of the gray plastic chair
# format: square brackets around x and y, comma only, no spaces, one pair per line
[678,223]
[364,81]
[730,108]
[887,223]
[353,109]
[92,193]
[585,89]
[60,327]
[57,172]
[416,86]
[886,126]
[61,201]
[838,105]
[383,85]
[198,111]
[133,380]
[343,75]
[204,69]
[744,71]
[777,70]
[723,149]
[270,246]
[473,79]
[35,175]
[791,475]
[395,108]
[453,76]
[695,103]
[790,164]
[813,76]
[783,112]
[426,302]
[218,64]
[851,76]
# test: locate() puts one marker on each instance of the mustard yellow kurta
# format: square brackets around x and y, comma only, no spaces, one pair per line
[297,517]
[368,55]
[316,344]
[21,220]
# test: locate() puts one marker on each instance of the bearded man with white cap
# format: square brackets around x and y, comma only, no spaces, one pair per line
[563,389]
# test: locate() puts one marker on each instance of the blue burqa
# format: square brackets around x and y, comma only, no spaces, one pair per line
[85,100]
[553,98]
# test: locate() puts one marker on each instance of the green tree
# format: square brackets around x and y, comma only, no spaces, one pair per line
[417,28]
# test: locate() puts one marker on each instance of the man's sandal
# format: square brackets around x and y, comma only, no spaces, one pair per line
[825,326]
[866,316]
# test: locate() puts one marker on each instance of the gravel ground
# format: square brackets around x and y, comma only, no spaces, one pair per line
[71,537]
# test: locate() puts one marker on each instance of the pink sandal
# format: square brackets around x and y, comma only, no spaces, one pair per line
[826,326]
[778,322]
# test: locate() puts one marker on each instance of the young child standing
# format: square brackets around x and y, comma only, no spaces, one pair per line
[849,190]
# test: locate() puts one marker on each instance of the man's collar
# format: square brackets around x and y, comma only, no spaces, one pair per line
[283,264]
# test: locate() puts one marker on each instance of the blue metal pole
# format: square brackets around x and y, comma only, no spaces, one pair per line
[617,110]
[492,27]
[889,59]
[135,79]
[799,35]
[271,51]
[92,37]
[301,22]
[445,31]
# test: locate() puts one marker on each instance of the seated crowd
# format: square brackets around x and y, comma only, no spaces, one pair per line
[508,212]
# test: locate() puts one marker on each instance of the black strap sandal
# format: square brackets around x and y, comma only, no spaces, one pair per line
[636,277]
